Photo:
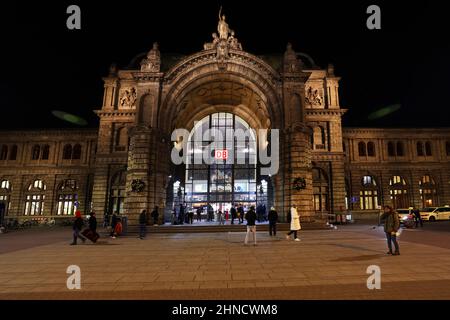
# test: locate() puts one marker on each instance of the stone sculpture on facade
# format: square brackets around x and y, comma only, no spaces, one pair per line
[222,26]
[226,39]
[291,63]
[313,97]
[153,61]
[128,98]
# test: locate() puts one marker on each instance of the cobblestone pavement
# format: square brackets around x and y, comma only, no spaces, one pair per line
[326,264]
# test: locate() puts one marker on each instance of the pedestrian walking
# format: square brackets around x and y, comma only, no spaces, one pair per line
[113,223]
[199,214]
[220,217]
[77,226]
[391,226]
[233,214]
[181,215]
[143,224]
[91,231]
[273,219]
[241,214]
[191,216]
[155,216]
[295,224]
[251,225]
[105,220]
[417,218]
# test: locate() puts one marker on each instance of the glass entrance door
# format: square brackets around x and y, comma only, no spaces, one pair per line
[221,183]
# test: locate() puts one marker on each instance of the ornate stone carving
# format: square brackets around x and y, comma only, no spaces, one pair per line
[153,61]
[128,97]
[291,63]
[225,40]
[313,97]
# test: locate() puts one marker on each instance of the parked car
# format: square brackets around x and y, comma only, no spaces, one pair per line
[404,214]
[435,213]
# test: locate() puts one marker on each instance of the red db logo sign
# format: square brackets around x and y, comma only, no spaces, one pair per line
[221,154]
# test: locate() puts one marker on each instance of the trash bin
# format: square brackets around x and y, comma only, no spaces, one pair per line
[124,225]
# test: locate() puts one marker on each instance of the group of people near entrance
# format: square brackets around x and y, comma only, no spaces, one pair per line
[293,218]
[389,217]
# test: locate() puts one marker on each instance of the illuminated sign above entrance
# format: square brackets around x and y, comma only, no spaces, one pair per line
[221,154]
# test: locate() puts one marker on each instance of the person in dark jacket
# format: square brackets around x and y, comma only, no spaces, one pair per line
[93,222]
[417,218]
[273,218]
[155,216]
[77,226]
[251,224]
[142,224]
[233,214]
[199,214]
[241,214]
[113,223]
[391,226]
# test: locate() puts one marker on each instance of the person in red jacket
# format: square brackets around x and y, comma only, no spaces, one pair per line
[118,228]
[77,226]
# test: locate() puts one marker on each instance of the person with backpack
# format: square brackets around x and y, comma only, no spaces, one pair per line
[391,226]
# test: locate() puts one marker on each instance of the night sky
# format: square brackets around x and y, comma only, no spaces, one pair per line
[47,67]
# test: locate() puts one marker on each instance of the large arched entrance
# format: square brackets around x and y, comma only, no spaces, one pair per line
[226,180]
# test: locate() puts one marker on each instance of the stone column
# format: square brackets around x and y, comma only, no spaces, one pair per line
[297,164]
[337,187]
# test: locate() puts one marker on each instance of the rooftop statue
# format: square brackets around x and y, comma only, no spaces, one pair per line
[222,27]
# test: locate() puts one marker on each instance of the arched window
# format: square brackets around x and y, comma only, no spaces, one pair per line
[76,155]
[398,191]
[117,192]
[420,152]
[368,194]
[391,149]
[428,148]
[35,152]
[67,152]
[447,148]
[45,152]
[4,152]
[362,149]
[319,138]
[320,190]
[400,149]
[67,197]
[13,153]
[35,198]
[428,192]
[5,195]
[121,139]
[371,149]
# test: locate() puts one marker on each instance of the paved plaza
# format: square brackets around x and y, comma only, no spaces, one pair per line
[326,264]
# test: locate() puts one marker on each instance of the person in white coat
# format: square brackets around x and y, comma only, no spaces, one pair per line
[295,224]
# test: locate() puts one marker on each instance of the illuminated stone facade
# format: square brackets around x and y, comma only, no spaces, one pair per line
[156,94]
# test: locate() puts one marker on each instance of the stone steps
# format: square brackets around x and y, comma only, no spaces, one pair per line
[211,228]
